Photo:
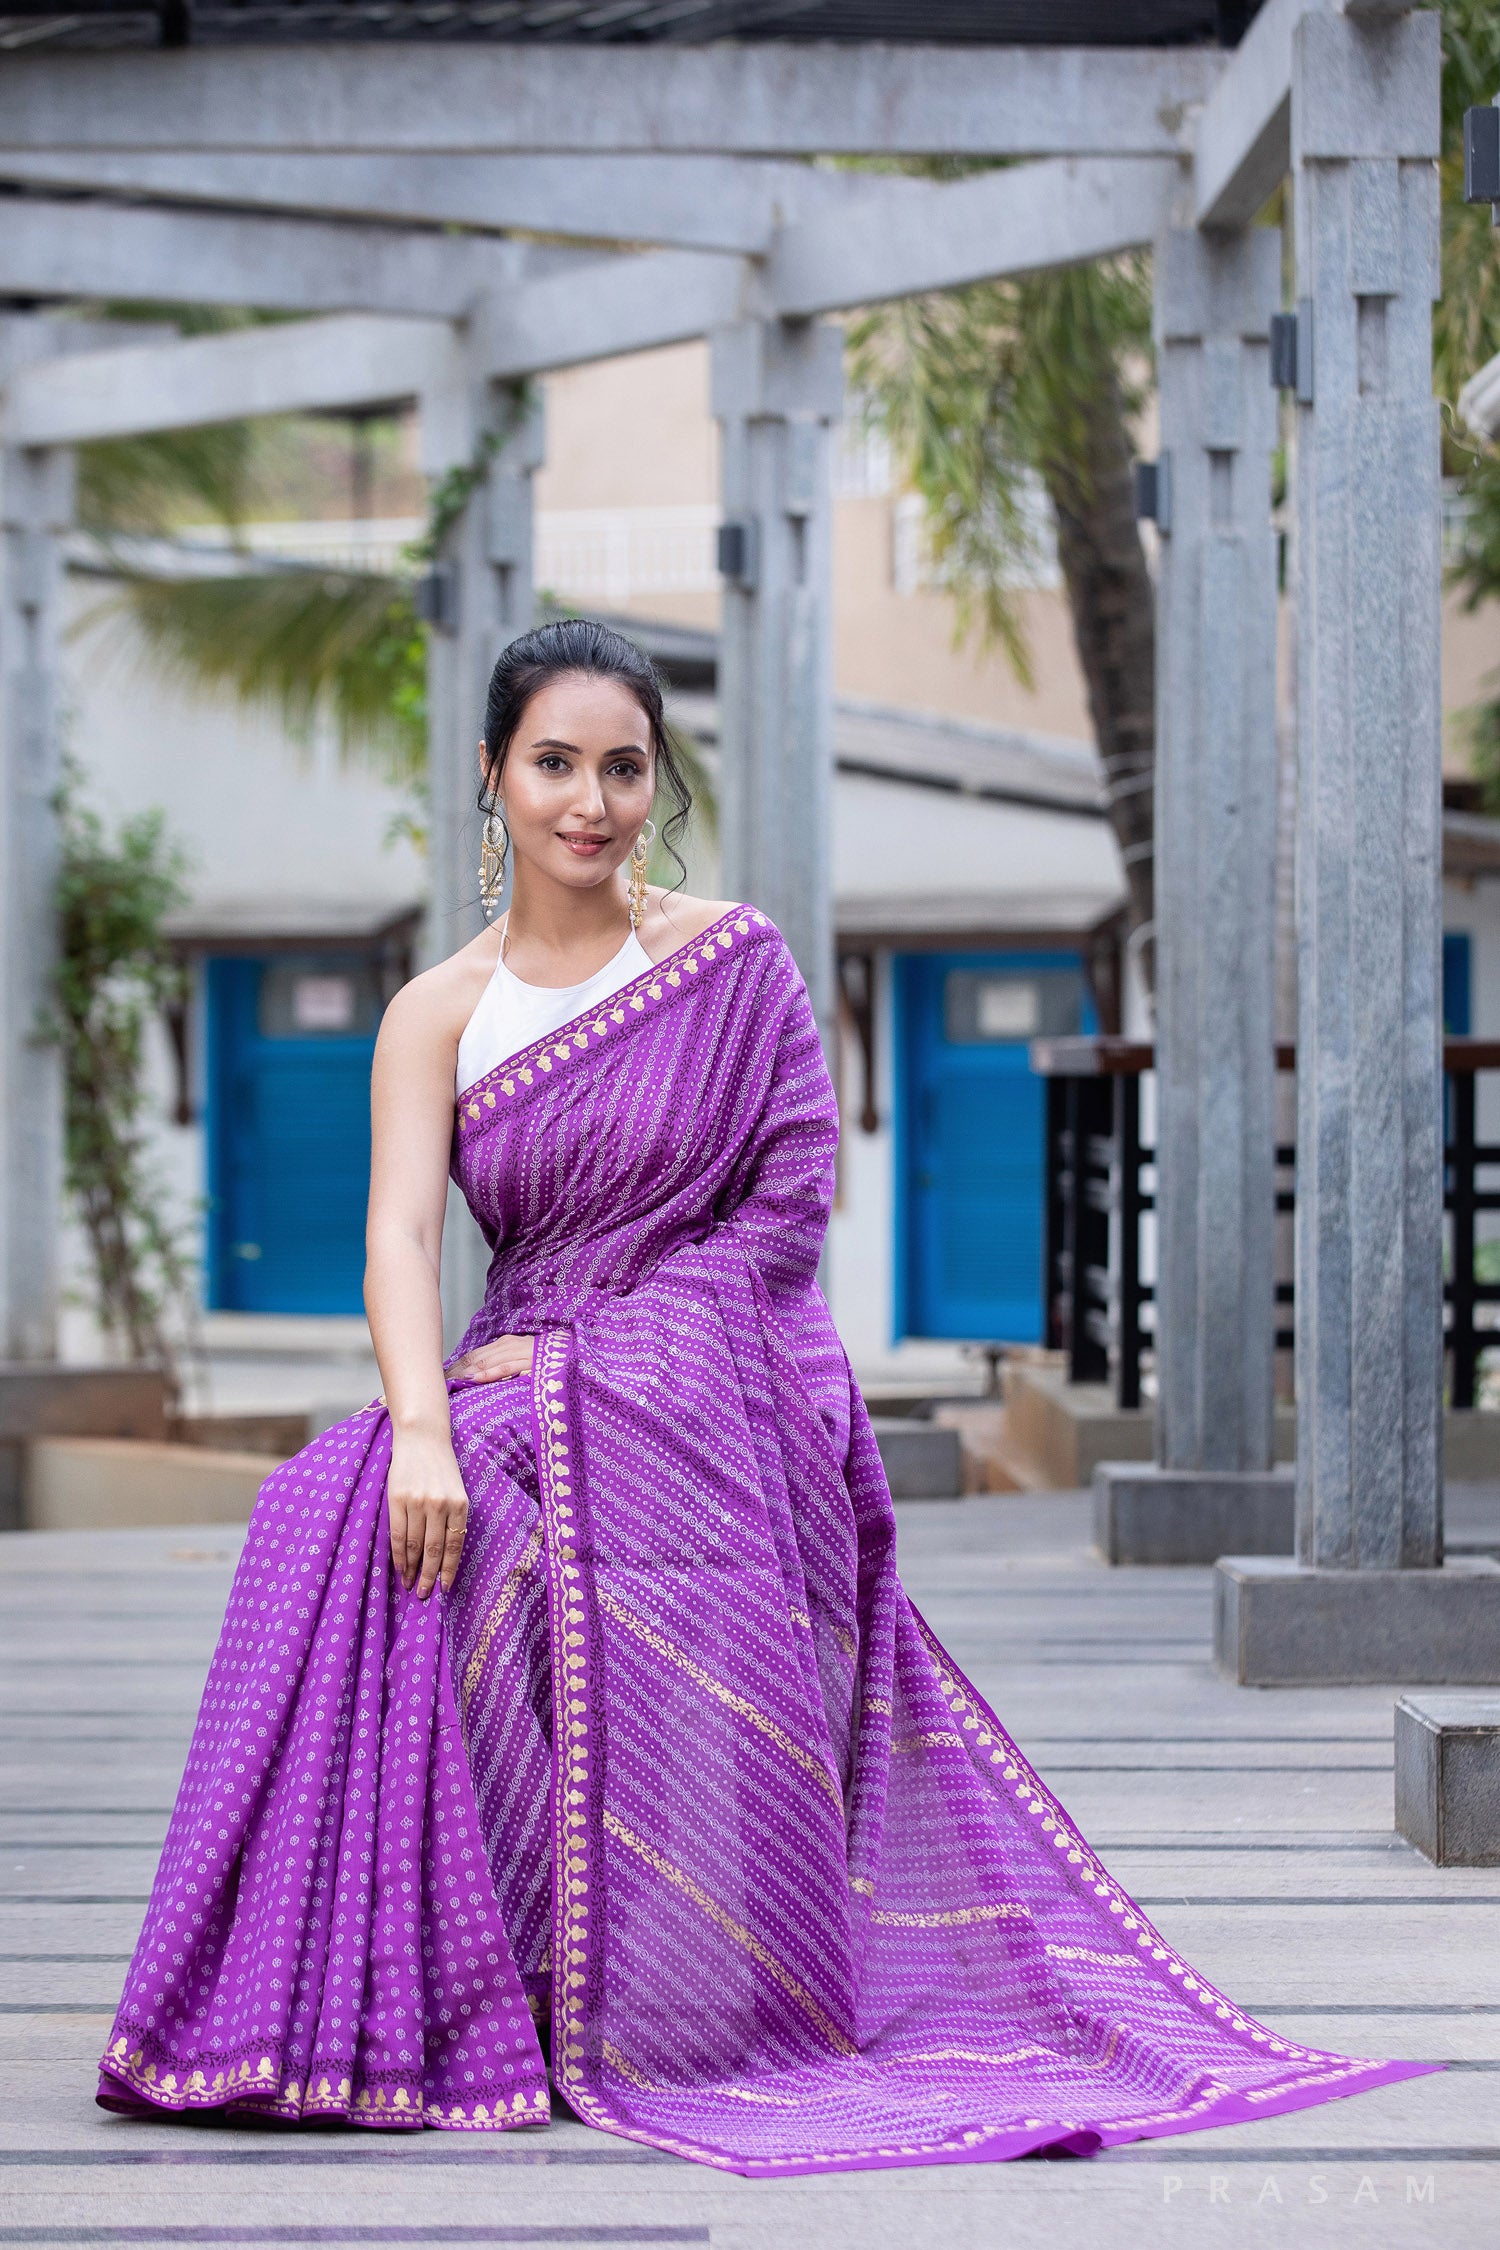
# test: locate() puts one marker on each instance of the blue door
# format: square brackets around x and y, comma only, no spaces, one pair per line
[1458,982]
[289,1048]
[971,1161]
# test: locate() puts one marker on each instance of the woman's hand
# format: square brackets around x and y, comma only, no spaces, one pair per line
[493,1362]
[429,1509]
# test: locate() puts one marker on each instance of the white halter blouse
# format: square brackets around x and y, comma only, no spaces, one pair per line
[510,1014]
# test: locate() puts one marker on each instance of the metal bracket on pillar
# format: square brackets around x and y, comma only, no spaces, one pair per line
[1153,491]
[1292,352]
[435,598]
[1482,157]
[507,502]
[737,551]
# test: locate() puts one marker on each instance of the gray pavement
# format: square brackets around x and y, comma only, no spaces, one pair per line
[1255,1825]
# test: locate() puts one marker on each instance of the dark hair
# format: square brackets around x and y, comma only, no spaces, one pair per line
[579,644]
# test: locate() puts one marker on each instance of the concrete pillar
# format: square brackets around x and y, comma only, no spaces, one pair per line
[777,393]
[1365,125]
[36,506]
[1369,837]
[481,441]
[1216,851]
[1215,938]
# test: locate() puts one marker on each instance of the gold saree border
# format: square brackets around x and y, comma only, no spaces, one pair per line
[576,1890]
[479,1104]
[989,1742]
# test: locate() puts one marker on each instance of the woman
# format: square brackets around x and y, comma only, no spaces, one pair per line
[570,1693]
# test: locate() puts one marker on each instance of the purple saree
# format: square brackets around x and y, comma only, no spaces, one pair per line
[677,1771]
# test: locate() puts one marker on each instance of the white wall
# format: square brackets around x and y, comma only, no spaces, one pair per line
[262,818]
[262,821]
[892,840]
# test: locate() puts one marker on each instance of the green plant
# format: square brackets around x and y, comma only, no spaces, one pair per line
[115,972]
[301,643]
[298,643]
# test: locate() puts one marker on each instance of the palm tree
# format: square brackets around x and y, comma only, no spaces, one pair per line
[986,389]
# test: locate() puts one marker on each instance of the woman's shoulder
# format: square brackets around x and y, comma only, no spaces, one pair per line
[437,1002]
[675,919]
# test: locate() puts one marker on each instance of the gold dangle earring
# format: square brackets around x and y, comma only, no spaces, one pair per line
[492,856]
[639,854]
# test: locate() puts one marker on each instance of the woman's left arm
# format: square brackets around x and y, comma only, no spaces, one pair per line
[411,1110]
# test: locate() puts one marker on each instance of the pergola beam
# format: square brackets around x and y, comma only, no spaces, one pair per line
[1059,211]
[1244,128]
[1014,221]
[621,304]
[91,249]
[688,202]
[760,100]
[294,367]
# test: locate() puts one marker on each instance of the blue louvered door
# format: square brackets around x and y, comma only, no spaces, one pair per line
[290,1042]
[970,1138]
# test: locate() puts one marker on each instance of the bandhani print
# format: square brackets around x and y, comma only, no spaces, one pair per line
[677,1784]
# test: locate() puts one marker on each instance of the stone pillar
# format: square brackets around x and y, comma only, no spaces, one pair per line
[1365,1588]
[777,393]
[36,506]
[1215,938]
[478,597]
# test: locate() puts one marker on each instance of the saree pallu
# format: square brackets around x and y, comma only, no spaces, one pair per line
[677,1775]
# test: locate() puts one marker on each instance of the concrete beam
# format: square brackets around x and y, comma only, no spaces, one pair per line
[877,245]
[766,100]
[1243,138]
[1349,107]
[617,304]
[689,202]
[294,367]
[610,305]
[889,238]
[93,249]
[1054,213]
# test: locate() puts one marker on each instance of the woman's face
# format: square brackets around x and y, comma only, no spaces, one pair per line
[577,780]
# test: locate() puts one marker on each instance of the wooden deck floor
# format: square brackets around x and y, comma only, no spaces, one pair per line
[1255,1826]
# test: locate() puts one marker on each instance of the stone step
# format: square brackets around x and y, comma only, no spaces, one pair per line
[1448,1777]
[923,1460]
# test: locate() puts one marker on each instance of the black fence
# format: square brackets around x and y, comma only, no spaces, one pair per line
[1096,1302]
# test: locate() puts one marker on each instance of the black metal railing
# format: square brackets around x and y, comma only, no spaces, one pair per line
[1100,1312]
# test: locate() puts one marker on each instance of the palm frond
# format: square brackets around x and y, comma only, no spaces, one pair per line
[981,390]
[150,485]
[300,644]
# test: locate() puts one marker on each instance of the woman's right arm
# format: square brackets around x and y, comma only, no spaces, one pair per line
[411,1108]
